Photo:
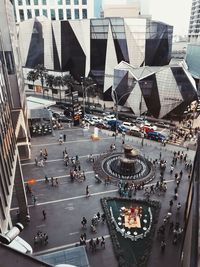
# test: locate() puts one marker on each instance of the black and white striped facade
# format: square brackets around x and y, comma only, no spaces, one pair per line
[94,46]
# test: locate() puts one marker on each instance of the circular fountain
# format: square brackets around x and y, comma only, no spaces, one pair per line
[127,165]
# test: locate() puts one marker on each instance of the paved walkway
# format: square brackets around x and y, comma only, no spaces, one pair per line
[66,204]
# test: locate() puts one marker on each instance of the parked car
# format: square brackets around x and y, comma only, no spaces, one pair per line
[63,118]
[157,136]
[134,133]
[109,117]
[162,124]
[96,119]
[147,129]
[103,125]
[122,129]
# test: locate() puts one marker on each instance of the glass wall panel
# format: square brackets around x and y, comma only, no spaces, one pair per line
[29,14]
[84,2]
[53,15]
[68,2]
[76,13]
[84,13]
[44,12]
[21,14]
[37,13]
[76,2]
[60,14]
[44,2]
[68,13]
[35,2]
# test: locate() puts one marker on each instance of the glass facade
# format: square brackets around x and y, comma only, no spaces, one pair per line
[44,2]
[68,2]
[84,2]
[35,2]
[28,2]
[76,2]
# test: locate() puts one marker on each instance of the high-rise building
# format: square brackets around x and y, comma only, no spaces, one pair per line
[194,27]
[53,9]
[14,143]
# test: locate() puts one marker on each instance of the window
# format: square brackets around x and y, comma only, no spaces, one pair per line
[20,3]
[10,61]
[60,14]
[28,2]
[35,2]
[76,13]
[60,2]
[44,2]
[37,13]
[29,14]
[68,2]
[44,12]
[84,13]
[84,2]
[53,15]
[76,2]
[68,14]
[21,14]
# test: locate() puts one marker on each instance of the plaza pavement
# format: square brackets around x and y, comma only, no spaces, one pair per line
[66,204]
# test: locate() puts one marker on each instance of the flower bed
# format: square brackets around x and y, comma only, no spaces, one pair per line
[132,246]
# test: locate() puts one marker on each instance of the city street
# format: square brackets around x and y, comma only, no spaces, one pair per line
[65,204]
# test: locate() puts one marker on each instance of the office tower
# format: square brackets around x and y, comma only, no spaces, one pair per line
[53,9]
[194,26]
[13,134]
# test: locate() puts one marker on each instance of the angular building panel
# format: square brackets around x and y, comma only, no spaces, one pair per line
[96,46]
[158,91]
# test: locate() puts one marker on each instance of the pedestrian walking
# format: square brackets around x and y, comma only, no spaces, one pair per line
[171,203]
[83,175]
[84,222]
[103,244]
[163,245]
[64,137]
[34,199]
[52,181]
[44,214]
[36,161]
[46,179]
[56,181]
[87,191]
[178,206]
[41,152]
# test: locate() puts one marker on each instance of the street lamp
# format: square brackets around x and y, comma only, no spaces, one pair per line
[116,102]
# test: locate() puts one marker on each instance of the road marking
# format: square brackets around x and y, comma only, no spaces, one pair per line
[54,160]
[69,142]
[58,177]
[41,225]
[63,247]
[67,199]
[74,233]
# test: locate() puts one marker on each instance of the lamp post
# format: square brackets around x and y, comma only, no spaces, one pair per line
[116,102]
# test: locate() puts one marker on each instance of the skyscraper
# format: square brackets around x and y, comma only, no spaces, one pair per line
[194,27]
[54,9]
[14,143]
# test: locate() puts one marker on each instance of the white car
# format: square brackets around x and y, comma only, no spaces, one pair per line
[109,117]
[96,119]
[150,125]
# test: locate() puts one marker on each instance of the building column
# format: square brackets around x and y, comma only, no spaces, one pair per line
[21,194]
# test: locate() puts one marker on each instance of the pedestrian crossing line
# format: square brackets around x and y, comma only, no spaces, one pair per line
[61,159]
[58,177]
[67,199]
[63,247]
[69,142]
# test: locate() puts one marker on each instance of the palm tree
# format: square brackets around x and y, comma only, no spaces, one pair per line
[41,72]
[58,82]
[68,80]
[32,76]
[49,80]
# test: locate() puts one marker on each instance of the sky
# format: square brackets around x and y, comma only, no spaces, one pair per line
[173,12]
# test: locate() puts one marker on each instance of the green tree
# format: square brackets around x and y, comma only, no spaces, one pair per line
[32,76]
[58,82]
[49,80]
[41,72]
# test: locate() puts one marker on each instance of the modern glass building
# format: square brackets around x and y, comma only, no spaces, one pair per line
[62,46]
[53,9]
[156,91]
